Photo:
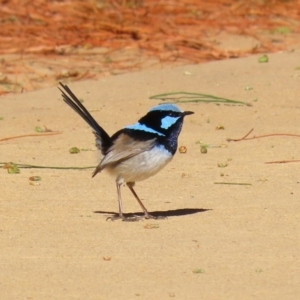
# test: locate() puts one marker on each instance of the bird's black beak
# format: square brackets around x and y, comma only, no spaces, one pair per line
[185,113]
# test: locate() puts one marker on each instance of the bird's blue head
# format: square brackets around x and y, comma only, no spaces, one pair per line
[165,119]
[163,122]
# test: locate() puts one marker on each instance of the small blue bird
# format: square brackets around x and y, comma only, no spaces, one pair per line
[137,151]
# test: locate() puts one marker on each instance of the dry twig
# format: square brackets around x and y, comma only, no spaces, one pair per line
[245,138]
[30,135]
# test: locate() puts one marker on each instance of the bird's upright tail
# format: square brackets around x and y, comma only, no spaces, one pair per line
[103,140]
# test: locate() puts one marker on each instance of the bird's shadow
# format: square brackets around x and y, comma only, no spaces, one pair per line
[167,213]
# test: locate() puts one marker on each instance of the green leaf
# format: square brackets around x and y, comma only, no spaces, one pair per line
[187,97]
[38,129]
[74,150]
[199,271]
[263,59]
[26,166]
[12,168]
[282,30]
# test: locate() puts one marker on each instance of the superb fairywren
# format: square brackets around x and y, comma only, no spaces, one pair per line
[137,151]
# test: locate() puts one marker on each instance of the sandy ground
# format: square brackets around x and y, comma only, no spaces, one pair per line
[219,241]
[32,71]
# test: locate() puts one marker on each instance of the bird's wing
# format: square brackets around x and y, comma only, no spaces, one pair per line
[123,148]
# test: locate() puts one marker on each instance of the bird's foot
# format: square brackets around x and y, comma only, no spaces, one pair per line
[133,218]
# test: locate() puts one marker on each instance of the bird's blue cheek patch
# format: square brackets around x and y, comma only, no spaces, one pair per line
[168,121]
[142,127]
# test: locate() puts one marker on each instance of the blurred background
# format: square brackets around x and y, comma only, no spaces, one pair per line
[43,42]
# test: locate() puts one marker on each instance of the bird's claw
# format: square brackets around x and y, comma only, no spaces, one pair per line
[135,218]
[125,219]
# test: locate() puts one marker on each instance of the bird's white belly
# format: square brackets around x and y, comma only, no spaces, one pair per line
[141,166]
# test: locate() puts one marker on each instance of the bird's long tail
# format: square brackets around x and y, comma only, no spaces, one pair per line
[103,140]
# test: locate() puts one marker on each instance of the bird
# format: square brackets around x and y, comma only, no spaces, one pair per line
[135,152]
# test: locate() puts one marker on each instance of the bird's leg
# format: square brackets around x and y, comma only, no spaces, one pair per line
[130,185]
[120,200]
[146,214]
[121,215]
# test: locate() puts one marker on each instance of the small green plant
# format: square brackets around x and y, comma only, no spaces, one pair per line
[74,150]
[263,59]
[198,271]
